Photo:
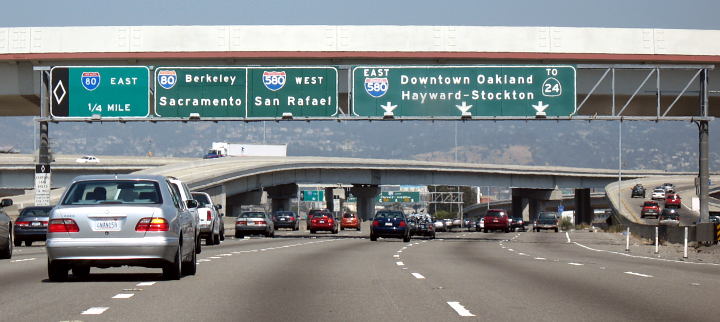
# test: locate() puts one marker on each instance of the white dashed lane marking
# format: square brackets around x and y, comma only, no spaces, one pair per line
[396,256]
[576,264]
[123,296]
[540,258]
[461,310]
[146,284]
[399,263]
[638,274]
[95,310]
[418,276]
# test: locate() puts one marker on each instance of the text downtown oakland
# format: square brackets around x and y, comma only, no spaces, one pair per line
[475,94]
[229,101]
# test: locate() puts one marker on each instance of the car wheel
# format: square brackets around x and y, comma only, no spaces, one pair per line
[556,230]
[28,243]
[210,240]
[406,239]
[373,237]
[57,272]
[190,267]
[312,231]
[217,239]
[17,242]
[485,230]
[272,234]
[198,245]
[81,272]
[335,231]
[358,228]
[172,270]
[238,235]
[432,236]
[7,252]
[222,233]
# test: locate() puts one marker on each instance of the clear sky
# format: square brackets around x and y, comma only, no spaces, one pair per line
[691,14]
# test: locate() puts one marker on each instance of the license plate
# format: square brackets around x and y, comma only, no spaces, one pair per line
[282,219]
[322,221]
[106,225]
[251,223]
[35,224]
[388,224]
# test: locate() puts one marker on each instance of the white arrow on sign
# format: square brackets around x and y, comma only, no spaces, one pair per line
[388,107]
[540,108]
[464,108]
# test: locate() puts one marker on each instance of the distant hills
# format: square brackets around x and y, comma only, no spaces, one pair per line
[670,146]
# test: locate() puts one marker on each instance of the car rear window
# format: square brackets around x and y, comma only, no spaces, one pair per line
[285,214]
[494,214]
[649,204]
[113,192]
[348,216]
[35,212]
[202,199]
[390,215]
[252,215]
[547,215]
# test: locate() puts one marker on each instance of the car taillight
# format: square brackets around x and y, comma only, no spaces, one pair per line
[291,218]
[152,224]
[209,215]
[330,220]
[376,223]
[63,226]
[241,222]
[22,223]
[259,222]
[44,223]
[403,224]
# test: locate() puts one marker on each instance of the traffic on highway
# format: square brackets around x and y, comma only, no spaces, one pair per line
[119,244]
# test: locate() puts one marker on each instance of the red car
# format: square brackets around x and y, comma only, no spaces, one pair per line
[650,208]
[672,200]
[323,221]
[497,219]
[350,221]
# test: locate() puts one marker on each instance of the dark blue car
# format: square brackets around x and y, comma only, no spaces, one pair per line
[390,224]
[31,225]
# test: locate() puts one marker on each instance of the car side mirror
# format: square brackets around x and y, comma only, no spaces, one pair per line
[6,203]
[218,206]
[192,203]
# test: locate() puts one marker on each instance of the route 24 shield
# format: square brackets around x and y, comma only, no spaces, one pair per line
[274,80]
[90,80]
[376,87]
[167,78]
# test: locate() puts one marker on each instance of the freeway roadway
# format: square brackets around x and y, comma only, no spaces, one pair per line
[542,276]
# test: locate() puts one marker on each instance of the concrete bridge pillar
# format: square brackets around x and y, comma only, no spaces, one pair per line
[235,202]
[519,207]
[365,195]
[218,197]
[280,196]
[583,207]
[536,206]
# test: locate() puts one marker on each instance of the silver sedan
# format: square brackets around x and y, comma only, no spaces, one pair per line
[116,220]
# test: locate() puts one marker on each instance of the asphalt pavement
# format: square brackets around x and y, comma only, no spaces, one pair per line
[520,276]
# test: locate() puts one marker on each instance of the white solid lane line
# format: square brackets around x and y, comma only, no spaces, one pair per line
[638,274]
[461,310]
[123,296]
[540,258]
[418,276]
[576,264]
[95,310]
[399,263]
[146,284]
[396,256]
[568,237]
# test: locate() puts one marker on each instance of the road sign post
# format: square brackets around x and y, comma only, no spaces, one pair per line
[42,184]
[463,91]
[95,92]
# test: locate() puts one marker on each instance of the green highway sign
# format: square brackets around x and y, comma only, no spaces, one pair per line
[208,91]
[246,92]
[313,195]
[398,196]
[463,91]
[104,92]
[301,91]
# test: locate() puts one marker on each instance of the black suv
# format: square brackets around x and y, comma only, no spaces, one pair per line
[518,223]
[638,190]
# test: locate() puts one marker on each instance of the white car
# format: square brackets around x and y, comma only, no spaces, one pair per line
[658,193]
[87,159]
[209,221]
